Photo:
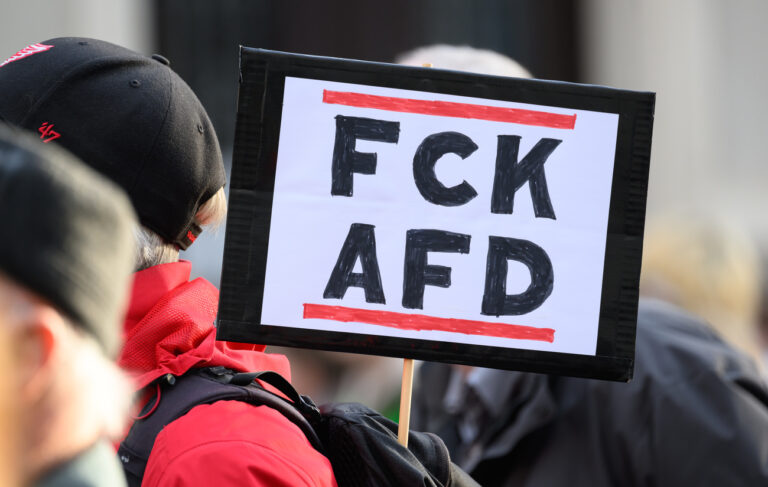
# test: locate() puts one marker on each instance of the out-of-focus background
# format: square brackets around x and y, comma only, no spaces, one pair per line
[704,59]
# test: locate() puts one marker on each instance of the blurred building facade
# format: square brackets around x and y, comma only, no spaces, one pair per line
[130,23]
[704,60]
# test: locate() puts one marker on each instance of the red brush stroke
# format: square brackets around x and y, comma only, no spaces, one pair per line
[451,109]
[404,321]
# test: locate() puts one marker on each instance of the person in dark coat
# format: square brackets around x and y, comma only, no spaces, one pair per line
[66,256]
[695,413]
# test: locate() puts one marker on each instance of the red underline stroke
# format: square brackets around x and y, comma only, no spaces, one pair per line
[451,109]
[405,321]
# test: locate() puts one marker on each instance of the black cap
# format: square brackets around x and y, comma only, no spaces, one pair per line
[127,115]
[67,234]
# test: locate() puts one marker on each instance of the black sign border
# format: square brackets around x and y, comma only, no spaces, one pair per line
[262,78]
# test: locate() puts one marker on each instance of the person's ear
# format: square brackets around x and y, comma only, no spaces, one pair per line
[34,346]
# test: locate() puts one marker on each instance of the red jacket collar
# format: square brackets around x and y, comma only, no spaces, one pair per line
[169,328]
[150,285]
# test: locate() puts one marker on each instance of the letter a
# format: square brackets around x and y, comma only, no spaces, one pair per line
[360,243]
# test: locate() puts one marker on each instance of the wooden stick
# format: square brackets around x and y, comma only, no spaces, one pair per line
[406,392]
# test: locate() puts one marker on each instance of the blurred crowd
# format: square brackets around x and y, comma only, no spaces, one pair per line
[90,279]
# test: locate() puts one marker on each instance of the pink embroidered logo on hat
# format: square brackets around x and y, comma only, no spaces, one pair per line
[27,51]
[47,133]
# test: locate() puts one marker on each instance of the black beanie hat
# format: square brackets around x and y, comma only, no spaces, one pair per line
[127,115]
[67,234]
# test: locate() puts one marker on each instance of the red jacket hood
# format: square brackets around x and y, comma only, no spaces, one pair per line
[169,328]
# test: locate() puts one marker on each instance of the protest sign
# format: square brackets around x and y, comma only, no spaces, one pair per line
[436,215]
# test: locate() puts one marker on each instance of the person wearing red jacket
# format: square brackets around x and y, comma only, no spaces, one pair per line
[133,119]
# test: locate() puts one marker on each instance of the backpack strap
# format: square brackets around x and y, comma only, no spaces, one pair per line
[178,395]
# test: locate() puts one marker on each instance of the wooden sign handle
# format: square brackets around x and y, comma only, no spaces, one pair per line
[406,392]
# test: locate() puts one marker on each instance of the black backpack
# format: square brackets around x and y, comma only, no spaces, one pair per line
[360,443]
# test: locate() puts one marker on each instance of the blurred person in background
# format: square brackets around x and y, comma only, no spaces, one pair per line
[695,413]
[132,118]
[66,256]
[10,408]
[709,267]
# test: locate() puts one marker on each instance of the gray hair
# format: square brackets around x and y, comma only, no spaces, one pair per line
[152,249]
[464,58]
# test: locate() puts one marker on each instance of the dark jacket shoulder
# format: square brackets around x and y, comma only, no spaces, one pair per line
[695,413]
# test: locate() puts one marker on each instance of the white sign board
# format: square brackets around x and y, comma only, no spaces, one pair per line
[310,224]
[434,218]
